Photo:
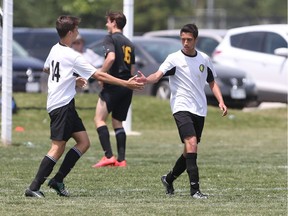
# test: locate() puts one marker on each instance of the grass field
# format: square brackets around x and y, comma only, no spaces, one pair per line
[242,163]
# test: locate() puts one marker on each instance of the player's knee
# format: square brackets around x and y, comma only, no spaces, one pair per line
[83,146]
[86,146]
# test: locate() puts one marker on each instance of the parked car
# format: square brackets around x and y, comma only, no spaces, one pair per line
[237,90]
[261,51]
[27,70]
[208,39]
[39,41]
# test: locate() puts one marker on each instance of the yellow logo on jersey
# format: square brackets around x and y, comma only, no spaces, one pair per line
[201,67]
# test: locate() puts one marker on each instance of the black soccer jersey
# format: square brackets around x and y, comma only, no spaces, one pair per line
[124,54]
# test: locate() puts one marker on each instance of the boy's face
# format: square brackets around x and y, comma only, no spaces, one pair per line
[110,25]
[188,42]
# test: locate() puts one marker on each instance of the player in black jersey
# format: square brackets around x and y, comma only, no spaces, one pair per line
[119,62]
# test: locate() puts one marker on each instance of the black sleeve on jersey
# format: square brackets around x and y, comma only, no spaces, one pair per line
[133,55]
[108,44]
[170,72]
[210,77]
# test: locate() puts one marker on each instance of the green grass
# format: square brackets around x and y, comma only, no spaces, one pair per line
[242,162]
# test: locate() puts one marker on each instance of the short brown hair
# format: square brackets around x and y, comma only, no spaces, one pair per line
[66,23]
[118,16]
[190,28]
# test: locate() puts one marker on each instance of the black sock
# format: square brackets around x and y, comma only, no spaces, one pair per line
[45,169]
[104,138]
[121,143]
[192,170]
[178,169]
[68,163]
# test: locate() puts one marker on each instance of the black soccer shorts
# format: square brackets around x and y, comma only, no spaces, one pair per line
[189,124]
[118,101]
[64,122]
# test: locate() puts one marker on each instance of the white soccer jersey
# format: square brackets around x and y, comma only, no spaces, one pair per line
[63,63]
[188,82]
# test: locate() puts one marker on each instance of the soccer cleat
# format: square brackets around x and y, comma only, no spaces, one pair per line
[105,162]
[30,193]
[169,187]
[199,195]
[59,187]
[120,164]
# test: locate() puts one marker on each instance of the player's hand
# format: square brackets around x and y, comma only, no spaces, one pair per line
[140,77]
[81,82]
[133,84]
[224,109]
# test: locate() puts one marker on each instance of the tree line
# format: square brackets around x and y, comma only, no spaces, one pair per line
[153,14]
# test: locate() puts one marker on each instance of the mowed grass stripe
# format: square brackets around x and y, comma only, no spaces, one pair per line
[242,163]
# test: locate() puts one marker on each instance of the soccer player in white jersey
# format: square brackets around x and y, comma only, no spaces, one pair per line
[189,70]
[63,65]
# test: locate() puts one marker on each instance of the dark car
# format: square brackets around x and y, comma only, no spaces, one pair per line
[39,41]
[237,90]
[27,70]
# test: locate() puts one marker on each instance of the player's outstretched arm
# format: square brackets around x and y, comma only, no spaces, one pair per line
[107,78]
[152,78]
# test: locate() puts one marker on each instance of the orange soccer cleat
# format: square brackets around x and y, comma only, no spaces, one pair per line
[120,164]
[105,162]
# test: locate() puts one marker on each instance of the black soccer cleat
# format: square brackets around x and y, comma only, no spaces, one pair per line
[199,195]
[59,187]
[169,187]
[30,193]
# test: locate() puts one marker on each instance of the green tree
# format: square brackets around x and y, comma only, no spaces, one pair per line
[254,11]
[148,14]
[33,13]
